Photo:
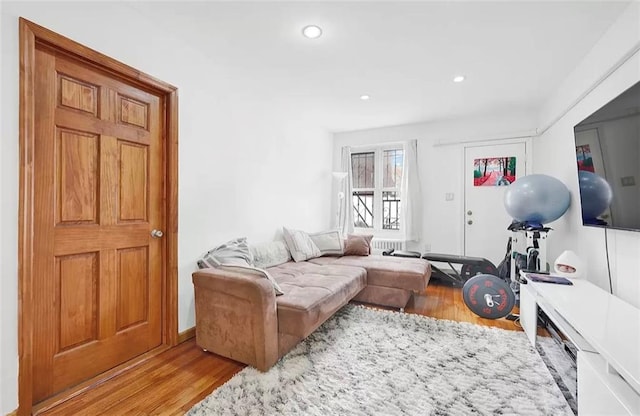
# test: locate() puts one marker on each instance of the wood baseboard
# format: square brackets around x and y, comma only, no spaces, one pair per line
[186,335]
[14,413]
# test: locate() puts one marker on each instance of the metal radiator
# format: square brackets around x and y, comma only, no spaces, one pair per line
[379,244]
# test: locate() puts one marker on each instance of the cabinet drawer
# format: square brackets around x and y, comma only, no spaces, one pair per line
[601,391]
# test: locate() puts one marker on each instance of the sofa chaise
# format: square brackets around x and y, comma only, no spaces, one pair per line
[239,316]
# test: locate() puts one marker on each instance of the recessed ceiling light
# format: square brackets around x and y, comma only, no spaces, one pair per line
[459,78]
[364,97]
[312,31]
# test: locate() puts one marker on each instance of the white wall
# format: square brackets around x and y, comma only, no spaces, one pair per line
[441,166]
[554,154]
[249,163]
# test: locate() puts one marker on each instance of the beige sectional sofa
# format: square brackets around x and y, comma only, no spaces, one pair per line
[239,316]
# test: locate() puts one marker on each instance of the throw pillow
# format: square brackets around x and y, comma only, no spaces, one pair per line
[254,270]
[300,245]
[329,243]
[358,245]
[270,254]
[232,252]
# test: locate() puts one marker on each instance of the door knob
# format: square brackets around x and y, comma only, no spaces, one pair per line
[156,233]
[469,222]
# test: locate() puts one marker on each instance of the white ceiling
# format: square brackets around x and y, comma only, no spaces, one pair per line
[404,55]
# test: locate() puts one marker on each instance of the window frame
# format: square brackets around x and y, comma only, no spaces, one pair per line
[378,189]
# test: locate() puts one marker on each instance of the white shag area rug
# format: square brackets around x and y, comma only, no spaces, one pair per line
[371,362]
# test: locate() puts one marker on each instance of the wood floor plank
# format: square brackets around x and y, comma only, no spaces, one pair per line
[175,380]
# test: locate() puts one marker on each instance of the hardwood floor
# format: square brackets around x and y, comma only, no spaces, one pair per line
[172,382]
[167,384]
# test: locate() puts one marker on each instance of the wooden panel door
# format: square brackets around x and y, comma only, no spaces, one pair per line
[98,192]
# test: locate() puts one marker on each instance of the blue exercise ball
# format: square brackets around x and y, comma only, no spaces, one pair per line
[537,199]
[595,194]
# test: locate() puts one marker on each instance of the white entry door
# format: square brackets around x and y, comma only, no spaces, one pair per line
[488,170]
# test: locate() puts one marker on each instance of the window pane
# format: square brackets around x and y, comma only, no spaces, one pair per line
[363,209]
[363,169]
[393,160]
[391,210]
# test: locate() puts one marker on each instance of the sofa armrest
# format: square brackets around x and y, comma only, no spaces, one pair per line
[236,316]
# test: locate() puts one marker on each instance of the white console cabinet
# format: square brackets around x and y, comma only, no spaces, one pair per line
[606,332]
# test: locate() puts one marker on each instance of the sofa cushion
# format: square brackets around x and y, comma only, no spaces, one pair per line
[313,293]
[398,272]
[232,252]
[300,245]
[270,254]
[329,243]
[358,245]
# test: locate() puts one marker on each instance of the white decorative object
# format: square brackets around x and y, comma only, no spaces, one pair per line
[568,264]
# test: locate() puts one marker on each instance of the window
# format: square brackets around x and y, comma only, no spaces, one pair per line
[363,170]
[377,176]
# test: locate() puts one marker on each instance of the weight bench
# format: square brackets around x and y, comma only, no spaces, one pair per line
[471,266]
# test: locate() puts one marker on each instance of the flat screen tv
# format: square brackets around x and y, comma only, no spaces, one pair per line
[608,161]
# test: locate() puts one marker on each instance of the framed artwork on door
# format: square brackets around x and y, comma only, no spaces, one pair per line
[494,171]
